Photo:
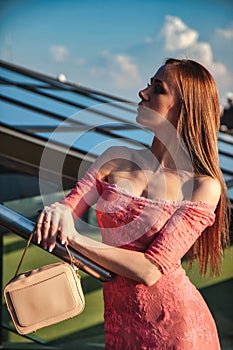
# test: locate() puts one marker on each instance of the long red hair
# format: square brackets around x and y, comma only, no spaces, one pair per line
[198,127]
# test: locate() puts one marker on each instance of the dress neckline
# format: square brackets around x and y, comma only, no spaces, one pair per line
[180,203]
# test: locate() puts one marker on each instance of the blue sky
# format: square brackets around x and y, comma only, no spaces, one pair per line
[116,46]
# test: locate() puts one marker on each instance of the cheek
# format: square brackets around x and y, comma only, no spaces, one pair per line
[161,105]
[173,114]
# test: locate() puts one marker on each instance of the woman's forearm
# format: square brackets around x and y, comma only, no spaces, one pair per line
[127,263]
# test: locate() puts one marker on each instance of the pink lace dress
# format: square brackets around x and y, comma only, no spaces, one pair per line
[171,314]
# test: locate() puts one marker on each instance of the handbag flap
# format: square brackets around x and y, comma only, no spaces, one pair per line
[47,295]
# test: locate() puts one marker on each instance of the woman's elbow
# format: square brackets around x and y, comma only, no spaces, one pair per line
[151,277]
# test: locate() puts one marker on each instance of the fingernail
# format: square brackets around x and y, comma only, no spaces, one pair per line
[45,246]
[50,249]
[63,242]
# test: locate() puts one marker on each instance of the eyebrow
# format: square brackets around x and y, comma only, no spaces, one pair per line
[154,80]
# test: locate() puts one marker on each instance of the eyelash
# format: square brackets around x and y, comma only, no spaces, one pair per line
[157,89]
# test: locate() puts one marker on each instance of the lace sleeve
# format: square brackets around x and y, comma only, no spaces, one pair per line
[178,235]
[84,194]
[88,189]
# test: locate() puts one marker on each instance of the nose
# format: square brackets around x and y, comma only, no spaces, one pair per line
[143,94]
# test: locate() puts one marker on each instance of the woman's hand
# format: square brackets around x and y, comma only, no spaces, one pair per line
[54,221]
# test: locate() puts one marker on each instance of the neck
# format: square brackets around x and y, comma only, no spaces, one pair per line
[170,153]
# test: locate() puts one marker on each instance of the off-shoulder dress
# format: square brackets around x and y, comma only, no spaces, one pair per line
[171,314]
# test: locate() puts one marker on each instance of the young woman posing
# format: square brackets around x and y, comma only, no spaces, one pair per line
[153,206]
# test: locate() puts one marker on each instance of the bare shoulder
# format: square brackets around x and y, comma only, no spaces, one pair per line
[114,153]
[206,189]
[110,158]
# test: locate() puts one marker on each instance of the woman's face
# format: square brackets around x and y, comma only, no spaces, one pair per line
[158,99]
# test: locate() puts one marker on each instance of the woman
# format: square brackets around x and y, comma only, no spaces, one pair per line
[153,206]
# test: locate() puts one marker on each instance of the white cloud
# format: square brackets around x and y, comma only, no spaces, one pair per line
[177,34]
[183,42]
[59,53]
[202,52]
[148,39]
[119,67]
[226,33]
[126,66]
[80,61]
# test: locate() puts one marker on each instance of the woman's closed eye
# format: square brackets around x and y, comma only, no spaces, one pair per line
[158,89]
[158,86]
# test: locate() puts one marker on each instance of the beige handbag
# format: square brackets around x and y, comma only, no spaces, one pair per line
[44,296]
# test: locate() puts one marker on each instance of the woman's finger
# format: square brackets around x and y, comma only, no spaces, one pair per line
[39,227]
[45,229]
[42,226]
[53,231]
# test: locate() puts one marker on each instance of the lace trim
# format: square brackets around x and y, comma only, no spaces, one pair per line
[186,202]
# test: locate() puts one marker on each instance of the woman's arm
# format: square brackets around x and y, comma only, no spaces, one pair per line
[59,222]
[123,262]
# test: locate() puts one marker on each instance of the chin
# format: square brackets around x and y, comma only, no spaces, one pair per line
[141,120]
[144,122]
[142,116]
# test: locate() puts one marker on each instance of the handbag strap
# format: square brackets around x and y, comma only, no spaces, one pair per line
[24,252]
[26,248]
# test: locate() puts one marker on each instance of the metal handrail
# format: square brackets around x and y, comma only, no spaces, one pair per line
[23,227]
